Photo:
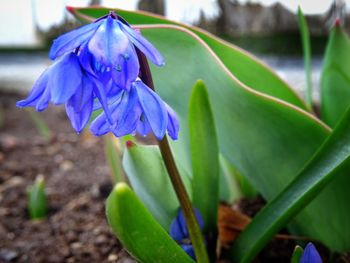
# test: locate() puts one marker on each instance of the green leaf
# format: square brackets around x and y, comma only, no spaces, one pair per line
[149,178]
[204,156]
[331,161]
[248,69]
[37,201]
[266,139]
[40,125]
[335,78]
[305,37]
[297,253]
[137,230]
[230,187]
[113,156]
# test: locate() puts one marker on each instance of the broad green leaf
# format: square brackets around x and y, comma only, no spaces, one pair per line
[149,178]
[297,253]
[138,231]
[331,161]
[37,200]
[335,78]
[266,139]
[204,156]
[305,37]
[243,65]
[113,156]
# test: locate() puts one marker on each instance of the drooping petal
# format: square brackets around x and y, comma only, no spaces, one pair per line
[310,255]
[37,91]
[65,78]
[79,106]
[173,123]
[143,44]
[44,100]
[100,125]
[112,98]
[100,92]
[73,39]
[153,108]
[108,42]
[143,127]
[127,115]
[129,68]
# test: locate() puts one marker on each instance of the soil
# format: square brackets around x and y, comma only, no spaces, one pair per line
[77,182]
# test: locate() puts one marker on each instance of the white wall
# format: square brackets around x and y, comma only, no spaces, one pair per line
[17,26]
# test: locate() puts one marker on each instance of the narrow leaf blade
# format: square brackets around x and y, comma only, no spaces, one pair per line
[204,156]
[305,38]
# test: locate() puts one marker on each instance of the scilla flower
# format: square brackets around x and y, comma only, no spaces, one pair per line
[97,66]
[179,231]
[139,110]
[111,45]
[310,255]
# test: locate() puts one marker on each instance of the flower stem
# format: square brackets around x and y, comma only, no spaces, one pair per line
[175,178]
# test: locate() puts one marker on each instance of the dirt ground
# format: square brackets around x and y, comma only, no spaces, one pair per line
[77,180]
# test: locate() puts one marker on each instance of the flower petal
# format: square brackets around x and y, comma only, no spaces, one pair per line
[79,106]
[143,44]
[108,43]
[100,92]
[37,91]
[178,228]
[127,114]
[73,39]
[143,127]
[173,123]
[129,68]
[153,108]
[65,78]
[310,255]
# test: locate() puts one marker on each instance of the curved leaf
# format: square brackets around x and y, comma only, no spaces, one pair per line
[331,161]
[149,178]
[335,80]
[204,156]
[139,233]
[243,65]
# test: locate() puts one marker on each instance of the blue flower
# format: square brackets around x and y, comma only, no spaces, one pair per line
[97,66]
[179,231]
[310,255]
[64,82]
[139,110]
[110,45]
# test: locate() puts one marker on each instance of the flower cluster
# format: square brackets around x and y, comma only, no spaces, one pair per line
[97,66]
[179,231]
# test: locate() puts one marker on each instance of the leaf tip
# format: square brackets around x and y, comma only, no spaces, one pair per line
[70,9]
[130,144]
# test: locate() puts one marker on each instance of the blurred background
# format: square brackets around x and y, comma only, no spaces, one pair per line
[267,28]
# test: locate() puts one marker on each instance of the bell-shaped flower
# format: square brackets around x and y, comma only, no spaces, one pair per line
[179,231]
[111,43]
[64,82]
[139,110]
[310,255]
